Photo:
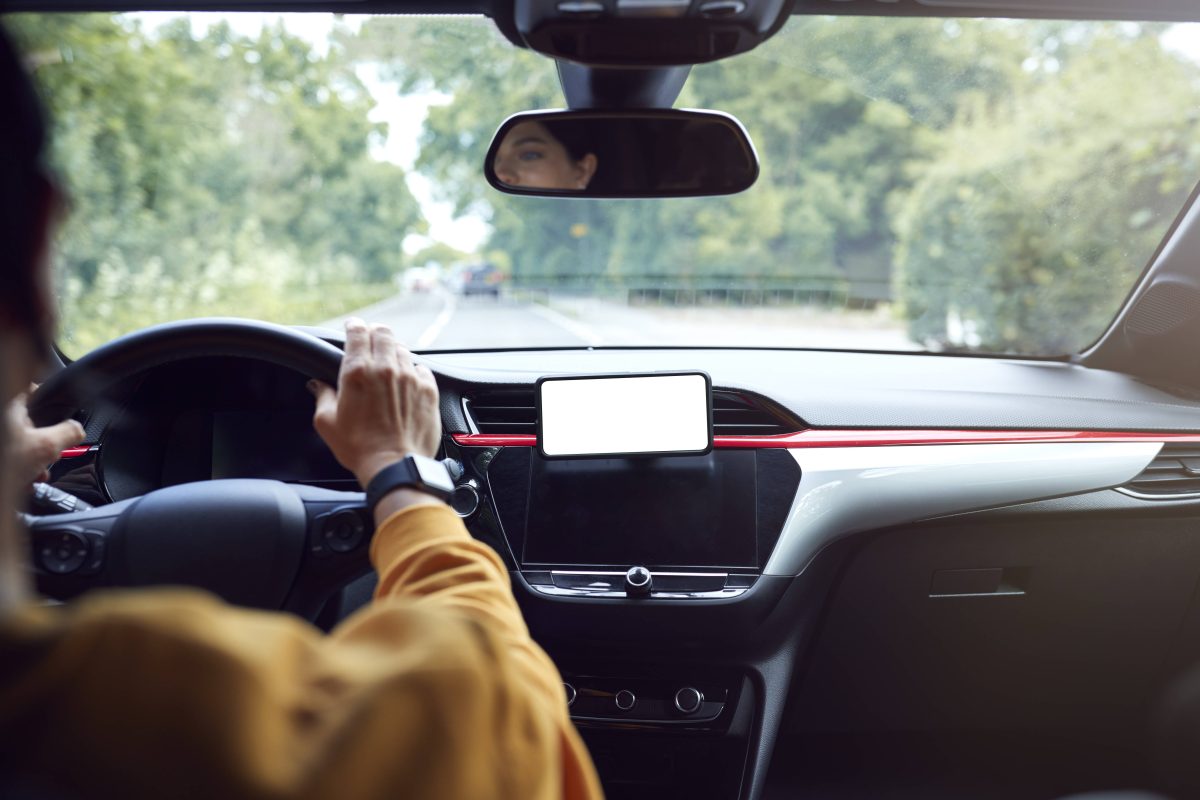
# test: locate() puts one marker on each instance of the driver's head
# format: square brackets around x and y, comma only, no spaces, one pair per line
[27,201]
[537,155]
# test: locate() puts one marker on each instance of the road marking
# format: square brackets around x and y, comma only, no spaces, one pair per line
[571,326]
[385,306]
[435,328]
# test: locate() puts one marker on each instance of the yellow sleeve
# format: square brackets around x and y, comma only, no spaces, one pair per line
[434,691]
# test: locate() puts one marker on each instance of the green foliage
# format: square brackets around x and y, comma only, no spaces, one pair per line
[1031,249]
[211,174]
[837,131]
[1003,181]
[439,253]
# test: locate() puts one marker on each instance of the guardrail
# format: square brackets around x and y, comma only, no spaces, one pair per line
[727,290]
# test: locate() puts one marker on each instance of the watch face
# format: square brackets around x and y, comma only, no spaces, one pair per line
[433,473]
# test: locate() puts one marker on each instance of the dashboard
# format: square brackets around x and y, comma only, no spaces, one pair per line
[867,529]
[206,419]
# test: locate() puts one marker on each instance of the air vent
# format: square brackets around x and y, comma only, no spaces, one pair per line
[512,411]
[503,411]
[738,415]
[1176,471]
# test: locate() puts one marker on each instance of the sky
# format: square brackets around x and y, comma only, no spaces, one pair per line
[403,114]
[1184,39]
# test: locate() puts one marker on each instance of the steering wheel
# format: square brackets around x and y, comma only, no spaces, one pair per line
[258,543]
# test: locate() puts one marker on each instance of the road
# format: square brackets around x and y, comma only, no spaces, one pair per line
[439,320]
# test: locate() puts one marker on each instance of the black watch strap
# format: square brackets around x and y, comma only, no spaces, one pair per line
[413,472]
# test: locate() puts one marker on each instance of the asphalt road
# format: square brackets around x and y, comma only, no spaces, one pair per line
[439,320]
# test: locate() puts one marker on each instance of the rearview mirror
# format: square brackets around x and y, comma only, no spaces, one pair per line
[631,153]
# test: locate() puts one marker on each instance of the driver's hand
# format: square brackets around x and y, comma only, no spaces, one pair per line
[385,407]
[33,449]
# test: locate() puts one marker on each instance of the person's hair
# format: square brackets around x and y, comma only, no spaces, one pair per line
[574,135]
[24,190]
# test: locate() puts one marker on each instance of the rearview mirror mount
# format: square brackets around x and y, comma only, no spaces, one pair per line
[621,154]
[646,33]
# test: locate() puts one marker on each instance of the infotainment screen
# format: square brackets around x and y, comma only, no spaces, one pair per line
[624,414]
[661,512]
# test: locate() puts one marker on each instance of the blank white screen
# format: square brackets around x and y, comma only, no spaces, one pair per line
[648,414]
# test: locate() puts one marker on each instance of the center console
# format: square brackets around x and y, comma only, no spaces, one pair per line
[692,527]
[638,575]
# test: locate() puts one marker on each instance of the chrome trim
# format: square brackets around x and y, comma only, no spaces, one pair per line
[699,703]
[847,490]
[1007,593]
[468,486]
[622,574]
[624,721]
[715,594]
[1156,497]
[466,409]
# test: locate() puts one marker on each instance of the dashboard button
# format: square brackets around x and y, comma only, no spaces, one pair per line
[688,700]
[625,700]
[464,500]
[638,582]
[95,560]
[62,552]
[343,531]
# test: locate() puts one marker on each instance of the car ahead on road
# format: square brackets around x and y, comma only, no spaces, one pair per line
[918,518]
[481,279]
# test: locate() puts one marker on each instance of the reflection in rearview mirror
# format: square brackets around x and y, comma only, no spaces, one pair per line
[632,153]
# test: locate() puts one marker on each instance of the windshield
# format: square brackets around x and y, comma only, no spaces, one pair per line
[989,186]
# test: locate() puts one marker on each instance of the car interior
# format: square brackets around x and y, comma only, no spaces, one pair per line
[944,573]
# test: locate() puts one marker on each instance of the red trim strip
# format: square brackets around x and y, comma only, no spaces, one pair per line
[75,452]
[873,438]
[495,439]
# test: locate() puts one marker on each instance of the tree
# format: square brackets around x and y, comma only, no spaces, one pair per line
[1013,247]
[212,172]
[837,140]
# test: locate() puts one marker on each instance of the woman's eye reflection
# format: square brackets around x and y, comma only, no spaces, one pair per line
[550,155]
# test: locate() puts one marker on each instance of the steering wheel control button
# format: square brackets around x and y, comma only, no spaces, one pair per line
[95,561]
[62,552]
[638,582]
[571,694]
[625,700]
[343,531]
[688,700]
[464,501]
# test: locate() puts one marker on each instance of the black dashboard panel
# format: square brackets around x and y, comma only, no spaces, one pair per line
[722,511]
[212,418]
[1081,637]
[690,510]
[834,389]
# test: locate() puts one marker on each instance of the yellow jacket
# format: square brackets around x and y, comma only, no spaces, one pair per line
[434,691]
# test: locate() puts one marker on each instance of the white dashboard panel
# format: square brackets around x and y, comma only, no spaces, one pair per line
[846,490]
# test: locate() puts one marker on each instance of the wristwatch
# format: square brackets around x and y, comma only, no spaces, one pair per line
[415,472]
